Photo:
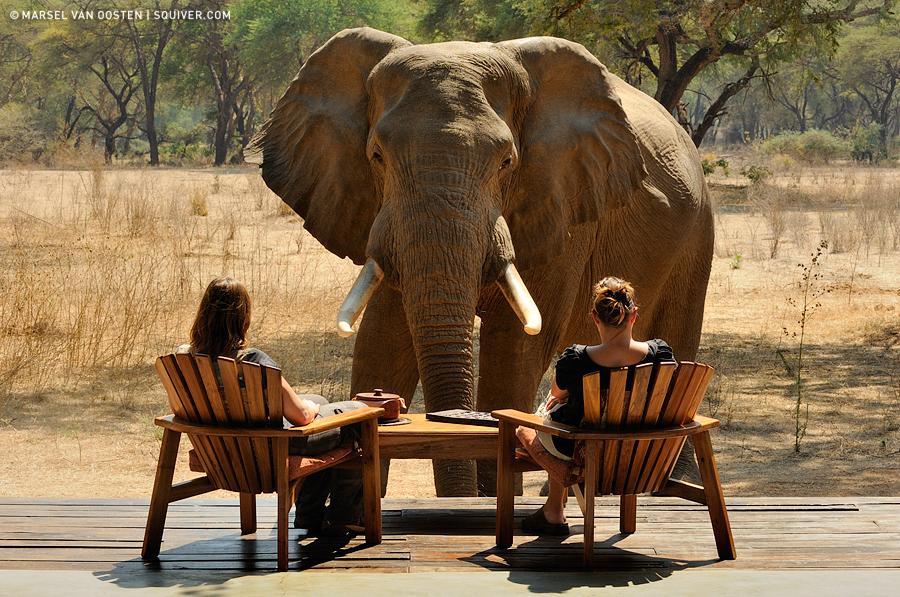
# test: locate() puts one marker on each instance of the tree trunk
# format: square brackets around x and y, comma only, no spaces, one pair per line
[220,141]
[150,130]
[109,146]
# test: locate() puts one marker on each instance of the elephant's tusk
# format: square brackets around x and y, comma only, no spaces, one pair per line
[520,300]
[362,290]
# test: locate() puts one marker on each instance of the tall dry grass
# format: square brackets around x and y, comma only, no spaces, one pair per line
[853,213]
[102,271]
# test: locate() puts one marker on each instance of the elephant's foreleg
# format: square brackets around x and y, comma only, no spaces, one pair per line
[383,356]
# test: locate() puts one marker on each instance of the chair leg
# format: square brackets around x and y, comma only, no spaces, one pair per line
[715,500]
[578,490]
[284,501]
[505,484]
[371,481]
[627,514]
[162,489]
[591,474]
[248,513]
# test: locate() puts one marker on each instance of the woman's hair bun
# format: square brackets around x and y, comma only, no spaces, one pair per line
[613,300]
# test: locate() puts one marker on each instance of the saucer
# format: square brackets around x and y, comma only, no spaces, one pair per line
[397,421]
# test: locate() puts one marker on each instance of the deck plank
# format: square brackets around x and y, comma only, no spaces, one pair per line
[104,536]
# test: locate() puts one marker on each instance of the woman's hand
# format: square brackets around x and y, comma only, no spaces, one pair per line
[557,396]
[297,410]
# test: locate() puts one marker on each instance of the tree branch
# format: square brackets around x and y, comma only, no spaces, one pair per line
[717,108]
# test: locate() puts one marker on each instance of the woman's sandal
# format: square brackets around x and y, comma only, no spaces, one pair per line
[536,523]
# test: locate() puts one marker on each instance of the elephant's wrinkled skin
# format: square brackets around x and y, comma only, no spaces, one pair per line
[445,162]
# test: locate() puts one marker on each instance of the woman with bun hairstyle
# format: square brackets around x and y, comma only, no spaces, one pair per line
[614,312]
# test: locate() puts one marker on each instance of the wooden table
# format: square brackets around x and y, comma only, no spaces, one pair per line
[432,439]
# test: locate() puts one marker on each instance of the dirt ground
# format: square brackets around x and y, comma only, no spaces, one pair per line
[100,271]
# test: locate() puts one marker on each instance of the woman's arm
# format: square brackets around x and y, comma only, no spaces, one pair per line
[559,396]
[296,410]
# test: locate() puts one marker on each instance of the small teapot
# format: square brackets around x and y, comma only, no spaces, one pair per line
[392,404]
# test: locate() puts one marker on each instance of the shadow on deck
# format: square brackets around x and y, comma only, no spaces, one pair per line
[202,545]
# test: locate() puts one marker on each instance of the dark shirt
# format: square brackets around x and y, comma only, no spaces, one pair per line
[573,364]
[255,355]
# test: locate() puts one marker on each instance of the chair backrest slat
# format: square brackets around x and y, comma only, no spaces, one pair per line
[615,412]
[256,408]
[194,386]
[239,395]
[615,402]
[211,385]
[237,416]
[637,404]
[233,461]
[657,394]
[273,393]
[180,392]
[660,395]
[647,451]
[174,399]
[593,402]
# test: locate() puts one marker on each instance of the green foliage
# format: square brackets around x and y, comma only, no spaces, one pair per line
[20,139]
[671,45]
[710,165]
[869,64]
[45,66]
[735,262]
[275,37]
[756,173]
[865,143]
[179,153]
[812,147]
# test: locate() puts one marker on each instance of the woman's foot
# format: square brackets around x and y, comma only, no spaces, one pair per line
[538,524]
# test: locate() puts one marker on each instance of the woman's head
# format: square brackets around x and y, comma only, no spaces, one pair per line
[220,327]
[613,301]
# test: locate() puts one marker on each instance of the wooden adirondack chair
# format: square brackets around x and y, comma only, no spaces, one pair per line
[633,430]
[235,425]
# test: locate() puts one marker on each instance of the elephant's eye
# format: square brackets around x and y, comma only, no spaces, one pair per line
[376,156]
[506,162]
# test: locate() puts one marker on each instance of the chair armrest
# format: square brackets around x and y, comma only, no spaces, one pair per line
[535,422]
[700,423]
[706,422]
[347,418]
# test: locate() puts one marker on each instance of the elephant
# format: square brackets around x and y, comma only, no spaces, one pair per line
[492,182]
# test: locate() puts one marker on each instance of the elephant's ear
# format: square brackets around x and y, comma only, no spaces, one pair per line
[579,153]
[312,148]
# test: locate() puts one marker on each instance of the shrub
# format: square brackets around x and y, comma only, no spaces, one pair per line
[756,174]
[812,147]
[711,163]
[865,143]
[20,141]
[199,204]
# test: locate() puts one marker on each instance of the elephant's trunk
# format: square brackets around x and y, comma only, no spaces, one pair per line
[439,269]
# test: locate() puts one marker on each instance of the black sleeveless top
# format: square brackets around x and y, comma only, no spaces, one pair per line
[573,364]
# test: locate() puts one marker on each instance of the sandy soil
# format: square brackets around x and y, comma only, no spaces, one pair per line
[77,390]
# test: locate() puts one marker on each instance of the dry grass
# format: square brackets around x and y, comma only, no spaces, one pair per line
[102,270]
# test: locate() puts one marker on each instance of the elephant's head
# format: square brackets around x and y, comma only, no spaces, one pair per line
[441,166]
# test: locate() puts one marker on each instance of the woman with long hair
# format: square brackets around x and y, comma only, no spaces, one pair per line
[220,329]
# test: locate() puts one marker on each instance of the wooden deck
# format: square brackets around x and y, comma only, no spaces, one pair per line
[104,536]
